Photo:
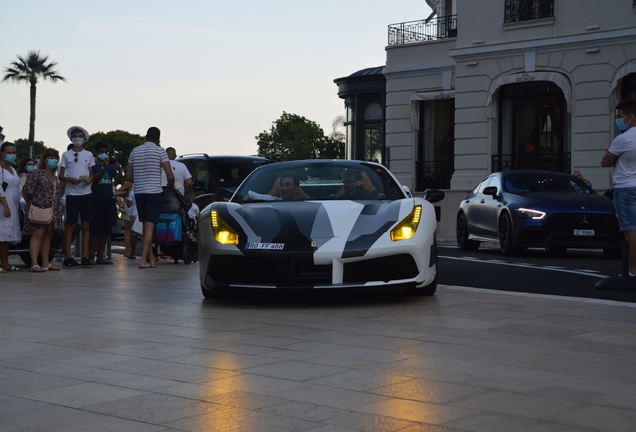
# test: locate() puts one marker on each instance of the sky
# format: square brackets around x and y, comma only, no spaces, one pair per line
[211,75]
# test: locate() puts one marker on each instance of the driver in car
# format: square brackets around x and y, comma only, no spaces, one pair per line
[289,190]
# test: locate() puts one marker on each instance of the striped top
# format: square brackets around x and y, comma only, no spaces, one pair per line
[146,160]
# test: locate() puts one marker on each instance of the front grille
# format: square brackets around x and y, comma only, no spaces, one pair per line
[383,269]
[228,270]
[592,221]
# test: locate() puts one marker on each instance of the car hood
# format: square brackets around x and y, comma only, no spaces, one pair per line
[566,202]
[307,226]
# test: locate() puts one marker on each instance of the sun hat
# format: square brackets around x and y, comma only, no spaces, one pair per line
[72,128]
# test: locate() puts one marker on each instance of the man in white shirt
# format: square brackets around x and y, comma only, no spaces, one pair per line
[622,156]
[75,170]
[182,177]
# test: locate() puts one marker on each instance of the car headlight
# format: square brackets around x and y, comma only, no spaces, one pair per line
[406,229]
[223,233]
[530,214]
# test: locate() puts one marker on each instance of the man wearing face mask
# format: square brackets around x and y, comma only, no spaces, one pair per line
[75,170]
[106,174]
[622,156]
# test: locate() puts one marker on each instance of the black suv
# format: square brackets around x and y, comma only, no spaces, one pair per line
[215,178]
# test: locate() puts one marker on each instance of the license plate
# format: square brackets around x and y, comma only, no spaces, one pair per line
[583,232]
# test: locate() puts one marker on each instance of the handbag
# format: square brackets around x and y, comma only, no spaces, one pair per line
[42,216]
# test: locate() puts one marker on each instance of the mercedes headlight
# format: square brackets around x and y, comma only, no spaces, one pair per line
[530,214]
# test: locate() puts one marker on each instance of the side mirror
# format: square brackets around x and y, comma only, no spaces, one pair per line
[434,195]
[491,190]
[408,191]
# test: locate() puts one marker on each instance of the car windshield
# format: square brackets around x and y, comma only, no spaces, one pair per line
[232,172]
[546,183]
[319,180]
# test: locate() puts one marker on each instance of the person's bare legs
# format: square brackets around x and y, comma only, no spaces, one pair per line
[630,236]
[127,237]
[86,240]
[4,255]
[147,257]
[93,248]
[35,245]
[101,247]
[133,245]
[45,248]
[68,239]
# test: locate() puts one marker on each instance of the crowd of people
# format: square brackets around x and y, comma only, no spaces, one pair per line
[80,192]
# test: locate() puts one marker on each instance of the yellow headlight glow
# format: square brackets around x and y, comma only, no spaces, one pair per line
[407,228]
[223,233]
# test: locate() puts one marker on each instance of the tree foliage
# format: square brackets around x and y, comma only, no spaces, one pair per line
[294,137]
[121,143]
[29,69]
[22,148]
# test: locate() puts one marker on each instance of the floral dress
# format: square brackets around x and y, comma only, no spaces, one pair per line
[41,190]
[10,227]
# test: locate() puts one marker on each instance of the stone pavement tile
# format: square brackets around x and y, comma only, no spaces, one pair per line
[16,405]
[238,419]
[78,396]
[331,396]
[109,424]
[147,383]
[224,360]
[338,359]
[265,385]
[618,338]
[489,422]
[28,383]
[135,366]
[377,355]
[52,415]
[597,418]
[193,391]
[270,341]
[426,427]
[154,408]
[538,330]
[304,411]
[241,399]
[377,341]
[416,411]
[242,348]
[369,422]
[103,376]
[92,342]
[317,347]
[331,428]
[516,404]
[515,379]
[359,380]
[293,370]
[31,334]
[9,428]
[332,336]
[153,350]
[99,359]
[575,395]
[427,391]
[446,349]
[189,373]
[435,374]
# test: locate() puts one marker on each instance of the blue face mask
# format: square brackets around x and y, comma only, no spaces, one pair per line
[102,156]
[52,163]
[10,158]
[621,125]
[30,168]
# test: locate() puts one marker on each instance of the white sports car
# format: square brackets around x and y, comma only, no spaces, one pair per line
[319,224]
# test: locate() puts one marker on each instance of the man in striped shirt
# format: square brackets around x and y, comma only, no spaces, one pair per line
[144,171]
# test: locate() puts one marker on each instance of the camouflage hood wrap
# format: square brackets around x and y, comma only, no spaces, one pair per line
[349,228]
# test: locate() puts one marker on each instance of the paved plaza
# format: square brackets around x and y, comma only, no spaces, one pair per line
[115,348]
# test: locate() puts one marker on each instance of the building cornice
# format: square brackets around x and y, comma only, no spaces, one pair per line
[579,41]
[434,67]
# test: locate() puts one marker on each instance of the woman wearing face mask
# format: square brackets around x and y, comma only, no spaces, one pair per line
[27,166]
[43,189]
[9,205]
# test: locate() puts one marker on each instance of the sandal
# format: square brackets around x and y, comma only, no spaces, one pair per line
[52,267]
[37,269]
[14,268]
[3,270]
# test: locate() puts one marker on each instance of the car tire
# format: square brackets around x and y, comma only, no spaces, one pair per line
[506,236]
[612,253]
[425,291]
[463,243]
[187,255]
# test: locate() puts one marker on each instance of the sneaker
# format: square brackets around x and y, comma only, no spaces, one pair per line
[70,262]
[86,263]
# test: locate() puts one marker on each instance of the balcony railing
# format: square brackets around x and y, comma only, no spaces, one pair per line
[423,30]
[560,162]
[526,10]
[434,174]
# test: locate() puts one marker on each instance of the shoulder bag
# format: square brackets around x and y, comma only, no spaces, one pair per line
[42,216]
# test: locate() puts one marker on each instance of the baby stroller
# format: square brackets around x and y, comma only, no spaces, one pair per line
[174,232]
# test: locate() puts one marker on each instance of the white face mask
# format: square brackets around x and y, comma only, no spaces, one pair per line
[77,141]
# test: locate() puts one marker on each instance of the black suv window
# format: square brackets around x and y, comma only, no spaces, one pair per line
[200,175]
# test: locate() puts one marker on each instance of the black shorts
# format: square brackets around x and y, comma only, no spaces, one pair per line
[149,207]
[104,216]
[79,205]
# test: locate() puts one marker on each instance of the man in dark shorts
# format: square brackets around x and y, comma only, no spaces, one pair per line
[144,171]
[75,170]
[106,174]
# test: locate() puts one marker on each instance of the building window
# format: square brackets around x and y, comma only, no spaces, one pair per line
[526,10]
[532,128]
[435,164]
[628,86]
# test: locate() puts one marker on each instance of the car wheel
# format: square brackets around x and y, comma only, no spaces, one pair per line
[424,291]
[187,255]
[612,253]
[506,238]
[556,251]
[463,243]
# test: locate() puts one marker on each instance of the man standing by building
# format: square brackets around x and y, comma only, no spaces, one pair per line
[622,156]
[182,177]
[144,171]
[75,170]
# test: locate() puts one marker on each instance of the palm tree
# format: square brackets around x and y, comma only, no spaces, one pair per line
[29,69]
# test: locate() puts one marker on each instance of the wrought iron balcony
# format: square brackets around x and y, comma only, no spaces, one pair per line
[560,162]
[434,174]
[423,30]
[526,10]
